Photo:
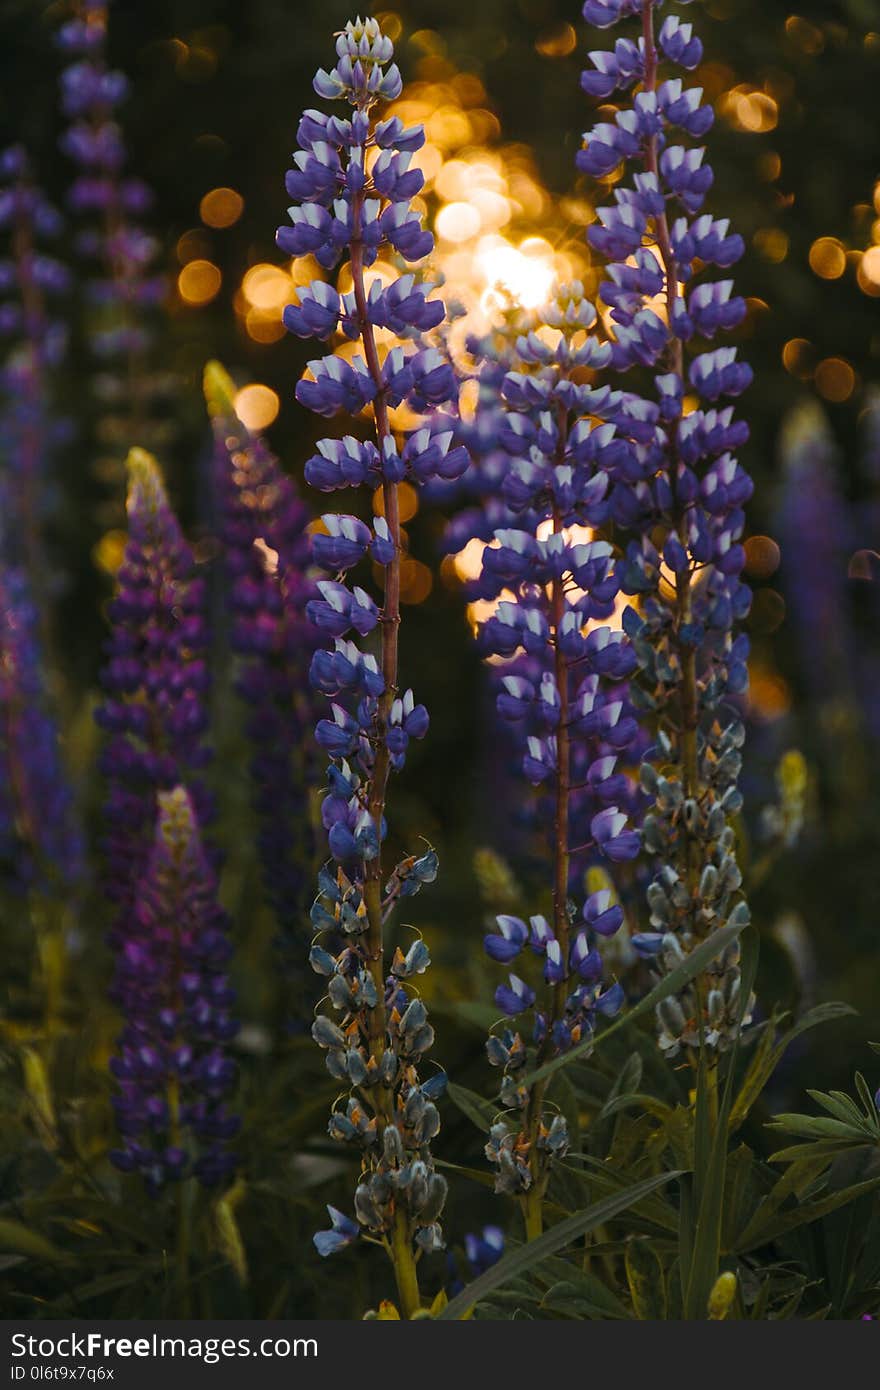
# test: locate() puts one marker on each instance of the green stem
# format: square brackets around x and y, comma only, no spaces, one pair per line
[405,1271]
[184,1243]
[533,1212]
[183,1210]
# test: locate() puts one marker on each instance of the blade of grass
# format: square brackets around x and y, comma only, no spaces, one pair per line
[527,1256]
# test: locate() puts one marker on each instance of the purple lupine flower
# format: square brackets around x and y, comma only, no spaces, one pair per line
[343,1231]
[481,1252]
[172,1065]
[41,845]
[265,550]
[817,537]
[352,187]
[561,672]
[678,504]
[109,204]
[155,680]
[34,342]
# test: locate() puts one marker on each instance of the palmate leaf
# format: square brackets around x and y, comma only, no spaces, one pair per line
[824,1149]
[673,983]
[763,1233]
[769,1054]
[518,1262]
[799,1179]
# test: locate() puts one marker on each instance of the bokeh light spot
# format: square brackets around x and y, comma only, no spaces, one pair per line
[557,42]
[256,405]
[266,287]
[835,379]
[416,581]
[458,222]
[407,502]
[762,556]
[772,243]
[828,258]
[193,245]
[199,282]
[864,565]
[799,357]
[868,273]
[221,207]
[108,552]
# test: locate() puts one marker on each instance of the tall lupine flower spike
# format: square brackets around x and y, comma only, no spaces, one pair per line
[155,680]
[172,1064]
[265,552]
[124,287]
[30,280]
[684,512]
[812,521]
[352,184]
[41,848]
[561,681]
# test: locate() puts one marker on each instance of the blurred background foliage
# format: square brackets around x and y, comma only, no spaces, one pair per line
[217,87]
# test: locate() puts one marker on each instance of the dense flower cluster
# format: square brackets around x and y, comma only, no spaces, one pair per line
[41,845]
[110,204]
[172,1066]
[265,554]
[561,669]
[35,339]
[684,514]
[155,680]
[352,184]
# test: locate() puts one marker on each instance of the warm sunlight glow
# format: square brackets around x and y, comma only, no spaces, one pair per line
[524,273]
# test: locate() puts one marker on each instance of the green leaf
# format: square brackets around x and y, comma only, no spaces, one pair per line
[795,1182]
[480,1016]
[816,1127]
[482,1113]
[839,1106]
[121,1279]
[789,1308]
[867,1099]
[583,1283]
[809,1212]
[625,1084]
[673,983]
[21,1240]
[655,1210]
[637,1100]
[584,1295]
[517,1262]
[768,1056]
[818,1148]
[483,1177]
[646,1279]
